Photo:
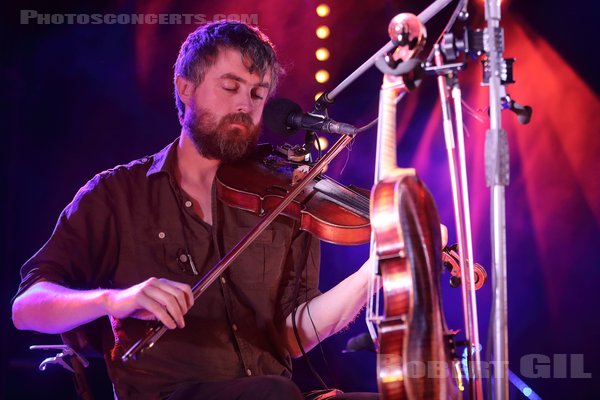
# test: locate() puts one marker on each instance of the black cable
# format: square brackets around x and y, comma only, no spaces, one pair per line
[298,266]
[318,145]
[320,344]
[369,125]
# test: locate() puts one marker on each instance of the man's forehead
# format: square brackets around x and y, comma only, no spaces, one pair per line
[231,64]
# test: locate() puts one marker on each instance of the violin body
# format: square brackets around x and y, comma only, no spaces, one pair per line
[416,359]
[328,210]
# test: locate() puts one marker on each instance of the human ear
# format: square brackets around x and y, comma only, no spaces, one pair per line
[185,89]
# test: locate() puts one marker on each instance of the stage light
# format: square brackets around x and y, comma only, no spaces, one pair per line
[318,95]
[322,54]
[323,142]
[323,10]
[503,3]
[323,32]
[322,76]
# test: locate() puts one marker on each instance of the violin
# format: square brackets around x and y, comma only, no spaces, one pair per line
[407,241]
[327,209]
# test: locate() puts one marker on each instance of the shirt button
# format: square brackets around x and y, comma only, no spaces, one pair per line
[145,160]
[223,280]
[248,372]
[234,327]
[161,235]
[188,203]
[183,258]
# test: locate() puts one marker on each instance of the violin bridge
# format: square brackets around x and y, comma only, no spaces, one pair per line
[299,173]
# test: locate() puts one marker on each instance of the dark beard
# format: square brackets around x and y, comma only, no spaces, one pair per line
[221,141]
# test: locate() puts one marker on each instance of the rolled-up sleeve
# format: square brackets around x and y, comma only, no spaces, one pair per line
[82,249]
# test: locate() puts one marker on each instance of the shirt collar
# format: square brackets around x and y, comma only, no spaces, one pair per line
[164,160]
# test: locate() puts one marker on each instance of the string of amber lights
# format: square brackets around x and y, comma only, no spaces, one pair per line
[322,54]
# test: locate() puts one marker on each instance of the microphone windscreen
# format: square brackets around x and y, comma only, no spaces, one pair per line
[275,115]
[360,342]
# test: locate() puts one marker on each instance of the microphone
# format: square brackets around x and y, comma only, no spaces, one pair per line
[285,117]
[359,342]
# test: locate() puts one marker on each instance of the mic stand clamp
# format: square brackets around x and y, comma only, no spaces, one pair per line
[322,103]
[474,43]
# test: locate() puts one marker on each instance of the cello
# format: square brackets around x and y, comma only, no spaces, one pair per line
[416,357]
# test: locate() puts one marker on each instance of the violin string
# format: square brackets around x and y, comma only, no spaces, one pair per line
[352,203]
[358,203]
[357,200]
[333,184]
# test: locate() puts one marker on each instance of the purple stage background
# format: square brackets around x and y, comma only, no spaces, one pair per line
[81,98]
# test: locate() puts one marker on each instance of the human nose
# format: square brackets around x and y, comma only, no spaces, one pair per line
[244,103]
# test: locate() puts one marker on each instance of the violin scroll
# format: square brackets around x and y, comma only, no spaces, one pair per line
[409,32]
[451,261]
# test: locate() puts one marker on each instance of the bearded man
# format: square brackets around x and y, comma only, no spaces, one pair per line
[138,236]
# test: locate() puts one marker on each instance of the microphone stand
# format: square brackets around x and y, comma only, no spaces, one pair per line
[497,73]
[327,98]
[497,178]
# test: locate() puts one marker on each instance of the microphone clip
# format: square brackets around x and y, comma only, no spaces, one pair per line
[296,153]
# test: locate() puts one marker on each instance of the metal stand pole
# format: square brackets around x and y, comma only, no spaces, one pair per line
[497,177]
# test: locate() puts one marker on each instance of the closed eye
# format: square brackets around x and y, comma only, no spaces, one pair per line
[258,94]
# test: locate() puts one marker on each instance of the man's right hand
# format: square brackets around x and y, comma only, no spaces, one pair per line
[48,307]
[160,299]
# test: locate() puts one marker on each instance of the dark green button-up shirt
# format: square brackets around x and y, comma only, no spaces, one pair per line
[133,222]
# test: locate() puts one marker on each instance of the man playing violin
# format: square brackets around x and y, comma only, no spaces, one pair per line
[136,237]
